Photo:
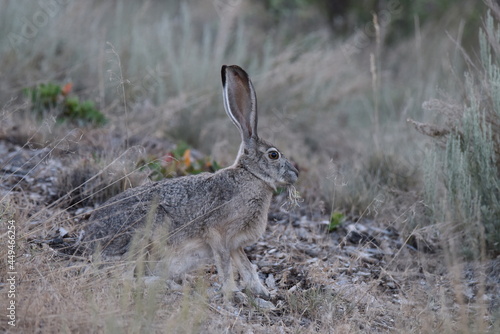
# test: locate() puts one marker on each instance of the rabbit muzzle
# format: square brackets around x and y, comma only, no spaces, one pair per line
[290,174]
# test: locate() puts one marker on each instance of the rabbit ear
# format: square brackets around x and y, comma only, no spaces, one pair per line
[240,101]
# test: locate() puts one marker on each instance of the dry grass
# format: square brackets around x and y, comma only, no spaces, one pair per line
[382,270]
[320,287]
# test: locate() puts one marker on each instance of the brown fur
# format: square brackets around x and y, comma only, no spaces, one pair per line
[206,215]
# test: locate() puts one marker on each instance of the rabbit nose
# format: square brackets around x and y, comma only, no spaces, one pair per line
[292,170]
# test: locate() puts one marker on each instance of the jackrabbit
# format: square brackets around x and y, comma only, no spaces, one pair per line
[206,215]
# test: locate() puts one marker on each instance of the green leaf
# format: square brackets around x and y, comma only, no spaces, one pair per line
[336,219]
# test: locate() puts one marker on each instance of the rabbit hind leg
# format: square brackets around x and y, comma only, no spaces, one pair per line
[248,273]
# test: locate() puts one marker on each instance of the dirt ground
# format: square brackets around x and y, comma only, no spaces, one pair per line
[364,276]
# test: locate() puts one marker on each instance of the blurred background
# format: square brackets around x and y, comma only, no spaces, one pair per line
[336,83]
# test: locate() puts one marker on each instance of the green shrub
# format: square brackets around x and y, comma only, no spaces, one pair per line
[81,112]
[345,16]
[43,96]
[336,219]
[466,159]
[179,162]
[50,97]
[472,182]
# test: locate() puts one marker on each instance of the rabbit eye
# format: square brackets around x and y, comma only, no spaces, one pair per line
[273,155]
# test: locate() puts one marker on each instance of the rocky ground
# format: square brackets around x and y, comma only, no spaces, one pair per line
[364,275]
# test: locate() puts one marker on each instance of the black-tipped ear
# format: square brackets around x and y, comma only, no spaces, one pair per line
[240,101]
[223,75]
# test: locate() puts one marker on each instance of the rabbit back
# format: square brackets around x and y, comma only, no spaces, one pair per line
[231,203]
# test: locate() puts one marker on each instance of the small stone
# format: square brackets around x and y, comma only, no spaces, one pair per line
[264,304]
[271,282]
[391,285]
[63,232]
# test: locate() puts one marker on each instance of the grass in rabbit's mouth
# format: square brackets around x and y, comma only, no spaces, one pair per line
[294,198]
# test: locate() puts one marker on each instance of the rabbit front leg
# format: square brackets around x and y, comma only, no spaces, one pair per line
[222,257]
[248,273]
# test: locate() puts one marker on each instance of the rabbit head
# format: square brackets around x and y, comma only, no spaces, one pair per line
[257,156]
